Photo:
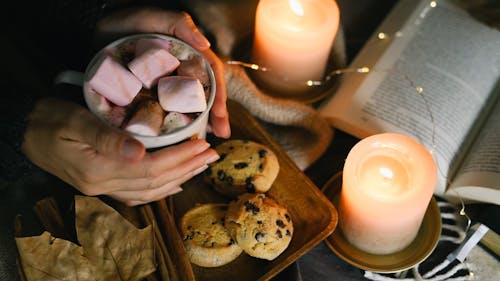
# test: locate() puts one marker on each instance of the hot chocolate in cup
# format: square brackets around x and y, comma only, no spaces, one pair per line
[155,75]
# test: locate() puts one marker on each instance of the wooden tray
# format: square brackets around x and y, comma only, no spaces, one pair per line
[314,216]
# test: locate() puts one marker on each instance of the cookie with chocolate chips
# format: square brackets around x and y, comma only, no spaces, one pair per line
[244,167]
[207,242]
[259,225]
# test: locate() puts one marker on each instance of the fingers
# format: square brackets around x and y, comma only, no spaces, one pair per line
[219,117]
[85,128]
[179,24]
[131,198]
[188,169]
[137,197]
[194,153]
[219,108]
[220,126]
[185,29]
[101,176]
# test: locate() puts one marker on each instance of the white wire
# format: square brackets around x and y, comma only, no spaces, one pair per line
[378,277]
[450,273]
[438,268]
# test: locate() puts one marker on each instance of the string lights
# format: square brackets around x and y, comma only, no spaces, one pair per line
[419,89]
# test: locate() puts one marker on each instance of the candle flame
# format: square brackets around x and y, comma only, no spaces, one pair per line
[386,172]
[296,7]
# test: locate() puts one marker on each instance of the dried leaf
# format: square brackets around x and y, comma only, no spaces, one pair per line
[118,249]
[111,248]
[39,254]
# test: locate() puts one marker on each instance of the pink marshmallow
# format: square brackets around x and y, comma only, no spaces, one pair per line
[114,82]
[174,121]
[145,44]
[181,94]
[152,65]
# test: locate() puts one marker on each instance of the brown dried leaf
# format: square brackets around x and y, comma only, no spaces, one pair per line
[112,248]
[40,254]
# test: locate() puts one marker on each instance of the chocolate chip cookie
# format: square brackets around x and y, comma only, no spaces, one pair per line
[207,241]
[244,167]
[259,225]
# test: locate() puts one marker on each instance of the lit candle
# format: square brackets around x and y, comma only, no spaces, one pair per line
[388,182]
[292,40]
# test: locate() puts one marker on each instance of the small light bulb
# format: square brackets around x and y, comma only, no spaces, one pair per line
[364,69]
[433,4]
[382,35]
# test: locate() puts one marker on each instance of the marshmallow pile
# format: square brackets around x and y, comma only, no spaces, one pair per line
[148,86]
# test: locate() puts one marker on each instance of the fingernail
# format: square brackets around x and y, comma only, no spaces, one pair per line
[202,146]
[201,40]
[226,132]
[131,149]
[174,191]
[199,170]
[212,158]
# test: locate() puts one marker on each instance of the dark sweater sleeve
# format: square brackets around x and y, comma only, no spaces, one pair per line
[13,164]
[21,86]
[41,39]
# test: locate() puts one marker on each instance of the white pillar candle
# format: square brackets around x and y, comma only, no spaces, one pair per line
[293,39]
[388,182]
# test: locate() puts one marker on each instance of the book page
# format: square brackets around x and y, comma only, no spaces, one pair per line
[479,176]
[456,62]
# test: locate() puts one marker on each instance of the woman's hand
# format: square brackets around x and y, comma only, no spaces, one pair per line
[68,141]
[180,25]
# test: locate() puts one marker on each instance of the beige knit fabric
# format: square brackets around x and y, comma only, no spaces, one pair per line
[297,127]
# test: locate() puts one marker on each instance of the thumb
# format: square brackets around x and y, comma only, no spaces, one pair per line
[119,145]
[72,122]
[113,142]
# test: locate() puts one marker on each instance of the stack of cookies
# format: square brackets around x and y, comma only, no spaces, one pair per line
[216,234]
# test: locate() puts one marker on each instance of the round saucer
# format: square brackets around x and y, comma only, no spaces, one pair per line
[423,245]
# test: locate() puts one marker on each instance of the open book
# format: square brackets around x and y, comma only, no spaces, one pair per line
[435,77]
